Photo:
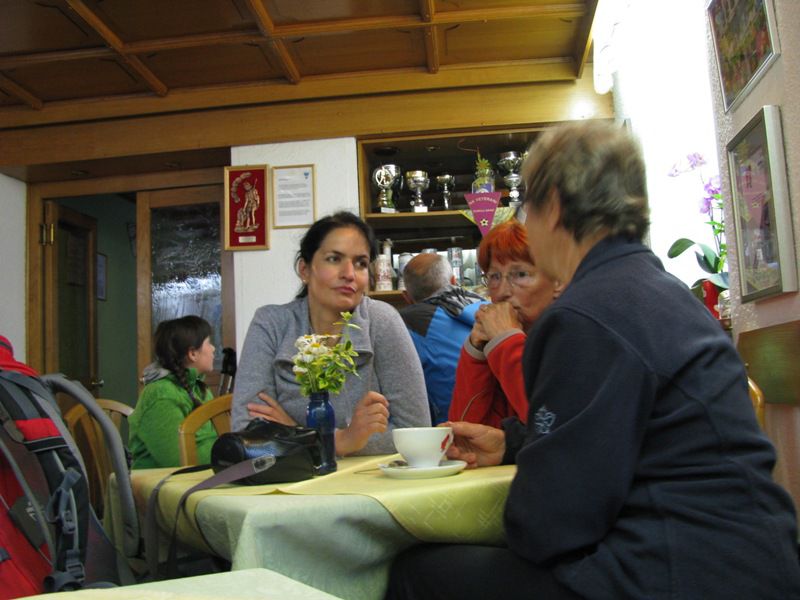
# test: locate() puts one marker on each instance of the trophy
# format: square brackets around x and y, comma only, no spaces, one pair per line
[386,177]
[444,181]
[417,181]
[511,161]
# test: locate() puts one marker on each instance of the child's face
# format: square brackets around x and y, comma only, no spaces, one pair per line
[202,358]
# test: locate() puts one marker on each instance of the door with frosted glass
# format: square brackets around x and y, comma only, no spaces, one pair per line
[181,267]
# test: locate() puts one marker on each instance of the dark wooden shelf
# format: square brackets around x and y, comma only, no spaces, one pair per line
[405,220]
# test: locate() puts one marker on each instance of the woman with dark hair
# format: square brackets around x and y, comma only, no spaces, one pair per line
[334,266]
[642,471]
[173,388]
[489,385]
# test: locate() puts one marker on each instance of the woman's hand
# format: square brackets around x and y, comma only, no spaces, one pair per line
[497,319]
[371,415]
[478,337]
[477,445]
[270,410]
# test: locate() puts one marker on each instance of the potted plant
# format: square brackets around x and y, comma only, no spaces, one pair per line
[711,260]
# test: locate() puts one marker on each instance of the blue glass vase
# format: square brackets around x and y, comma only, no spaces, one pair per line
[320,416]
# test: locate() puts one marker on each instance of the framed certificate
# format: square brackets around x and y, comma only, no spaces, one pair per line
[294,190]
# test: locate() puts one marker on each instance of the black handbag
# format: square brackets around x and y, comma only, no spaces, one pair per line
[297,451]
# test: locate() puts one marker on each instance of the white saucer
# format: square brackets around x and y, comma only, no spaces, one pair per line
[445,468]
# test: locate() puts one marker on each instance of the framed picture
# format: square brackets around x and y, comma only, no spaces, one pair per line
[745,42]
[102,264]
[295,205]
[246,211]
[764,242]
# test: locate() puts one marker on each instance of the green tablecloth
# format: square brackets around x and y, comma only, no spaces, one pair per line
[249,584]
[338,533]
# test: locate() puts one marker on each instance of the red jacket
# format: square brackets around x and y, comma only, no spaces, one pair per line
[489,385]
[8,362]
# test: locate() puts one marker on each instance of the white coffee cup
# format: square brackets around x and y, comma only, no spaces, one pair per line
[423,446]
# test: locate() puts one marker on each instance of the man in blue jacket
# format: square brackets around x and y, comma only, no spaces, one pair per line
[439,318]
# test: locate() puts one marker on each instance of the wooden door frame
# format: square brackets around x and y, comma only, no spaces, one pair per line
[145,202]
[38,193]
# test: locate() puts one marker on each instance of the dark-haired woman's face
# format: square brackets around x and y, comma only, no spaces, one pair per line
[338,274]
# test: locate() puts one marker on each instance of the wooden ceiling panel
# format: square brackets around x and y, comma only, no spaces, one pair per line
[30,27]
[153,19]
[362,51]
[82,63]
[207,66]
[98,78]
[286,12]
[521,39]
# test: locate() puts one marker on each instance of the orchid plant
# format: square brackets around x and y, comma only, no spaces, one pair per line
[324,360]
[711,260]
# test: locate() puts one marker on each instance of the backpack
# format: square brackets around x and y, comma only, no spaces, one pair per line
[50,537]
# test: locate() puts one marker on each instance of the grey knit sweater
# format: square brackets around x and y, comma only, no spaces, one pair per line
[387,363]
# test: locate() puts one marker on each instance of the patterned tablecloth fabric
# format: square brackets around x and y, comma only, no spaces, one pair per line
[337,533]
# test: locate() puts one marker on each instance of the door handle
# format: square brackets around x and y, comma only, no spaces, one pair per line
[98,383]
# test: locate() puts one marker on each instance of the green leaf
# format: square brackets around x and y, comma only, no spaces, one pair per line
[679,247]
[720,280]
[711,258]
[704,264]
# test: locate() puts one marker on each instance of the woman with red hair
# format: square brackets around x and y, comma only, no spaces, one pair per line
[489,385]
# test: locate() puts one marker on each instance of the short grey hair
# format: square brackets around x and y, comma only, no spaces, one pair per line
[424,283]
[599,174]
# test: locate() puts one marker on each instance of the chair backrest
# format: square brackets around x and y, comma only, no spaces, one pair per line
[89,437]
[218,411]
[757,398]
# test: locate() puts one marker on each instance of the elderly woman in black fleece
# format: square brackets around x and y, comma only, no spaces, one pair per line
[642,472]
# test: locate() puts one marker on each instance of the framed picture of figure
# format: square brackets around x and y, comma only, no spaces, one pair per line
[245,218]
[745,42]
[764,241]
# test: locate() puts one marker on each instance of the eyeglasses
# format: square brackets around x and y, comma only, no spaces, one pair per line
[493,279]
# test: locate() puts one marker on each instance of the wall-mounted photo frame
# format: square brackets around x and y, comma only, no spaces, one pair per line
[102,276]
[745,42]
[295,196]
[762,216]
[245,220]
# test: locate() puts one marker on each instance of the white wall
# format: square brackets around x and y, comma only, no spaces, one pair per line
[12,263]
[268,276]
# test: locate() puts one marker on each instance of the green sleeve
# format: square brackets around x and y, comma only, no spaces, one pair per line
[163,411]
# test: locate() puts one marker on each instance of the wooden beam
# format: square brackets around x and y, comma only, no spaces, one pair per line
[432,49]
[312,87]
[450,17]
[356,116]
[113,40]
[584,38]
[281,52]
[263,20]
[278,47]
[19,92]
[427,8]
[222,38]
[40,58]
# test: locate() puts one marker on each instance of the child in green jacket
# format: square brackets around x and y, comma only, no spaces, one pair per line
[174,387]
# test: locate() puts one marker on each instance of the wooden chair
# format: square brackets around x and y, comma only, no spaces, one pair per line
[89,438]
[218,411]
[757,398]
